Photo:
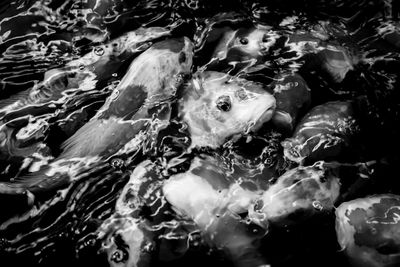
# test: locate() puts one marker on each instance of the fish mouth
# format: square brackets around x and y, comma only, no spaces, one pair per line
[264,117]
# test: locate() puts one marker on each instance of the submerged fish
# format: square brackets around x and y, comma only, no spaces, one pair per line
[214,201]
[216,106]
[244,44]
[301,191]
[205,194]
[140,219]
[337,62]
[83,73]
[368,230]
[126,237]
[127,243]
[240,48]
[139,102]
[390,31]
[316,54]
[323,133]
[55,88]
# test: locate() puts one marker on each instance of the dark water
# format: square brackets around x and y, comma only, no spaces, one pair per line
[36,36]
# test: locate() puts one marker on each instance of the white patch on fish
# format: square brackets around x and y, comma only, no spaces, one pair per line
[225,107]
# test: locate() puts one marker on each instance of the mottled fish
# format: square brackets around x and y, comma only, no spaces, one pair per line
[141,100]
[323,133]
[302,190]
[368,230]
[216,106]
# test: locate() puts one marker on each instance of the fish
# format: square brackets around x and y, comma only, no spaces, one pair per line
[128,243]
[324,132]
[337,62]
[60,85]
[311,53]
[211,198]
[141,207]
[244,43]
[204,194]
[216,106]
[390,32]
[18,139]
[126,237]
[138,106]
[293,97]
[241,48]
[368,230]
[84,73]
[296,195]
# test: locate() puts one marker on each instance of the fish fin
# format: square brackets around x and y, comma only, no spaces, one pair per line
[36,182]
[99,136]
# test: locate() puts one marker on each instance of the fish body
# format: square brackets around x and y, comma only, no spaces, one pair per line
[390,31]
[126,237]
[241,48]
[55,87]
[244,44]
[84,73]
[216,106]
[322,133]
[214,201]
[302,190]
[204,194]
[318,54]
[368,230]
[293,97]
[337,62]
[105,59]
[138,104]
[151,80]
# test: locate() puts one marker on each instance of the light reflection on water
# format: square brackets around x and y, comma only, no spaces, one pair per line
[37,37]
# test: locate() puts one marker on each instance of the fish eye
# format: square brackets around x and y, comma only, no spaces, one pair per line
[244,41]
[119,256]
[224,103]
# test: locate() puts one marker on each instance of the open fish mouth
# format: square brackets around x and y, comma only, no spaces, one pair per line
[264,117]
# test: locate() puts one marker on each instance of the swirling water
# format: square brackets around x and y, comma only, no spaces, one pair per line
[37,36]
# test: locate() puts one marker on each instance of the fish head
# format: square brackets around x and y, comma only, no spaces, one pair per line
[297,194]
[250,43]
[218,106]
[126,243]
